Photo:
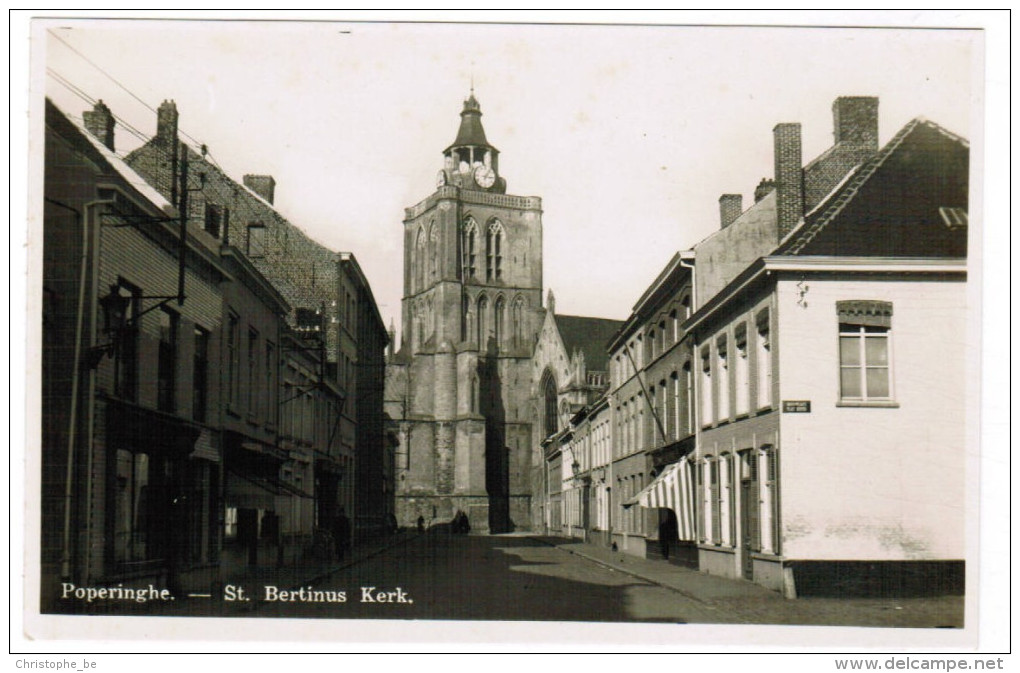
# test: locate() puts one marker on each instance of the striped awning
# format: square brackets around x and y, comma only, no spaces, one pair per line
[673,489]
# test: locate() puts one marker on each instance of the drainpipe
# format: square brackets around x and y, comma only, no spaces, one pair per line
[93,312]
[87,234]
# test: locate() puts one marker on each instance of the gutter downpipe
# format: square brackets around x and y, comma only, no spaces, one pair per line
[90,434]
[65,555]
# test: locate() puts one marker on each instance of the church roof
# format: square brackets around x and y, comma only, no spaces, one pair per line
[588,335]
[471,131]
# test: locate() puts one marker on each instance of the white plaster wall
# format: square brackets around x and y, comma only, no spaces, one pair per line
[874,483]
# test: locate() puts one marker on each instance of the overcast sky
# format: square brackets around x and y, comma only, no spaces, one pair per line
[629,134]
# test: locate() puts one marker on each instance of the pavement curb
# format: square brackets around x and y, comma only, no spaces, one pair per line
[627,571]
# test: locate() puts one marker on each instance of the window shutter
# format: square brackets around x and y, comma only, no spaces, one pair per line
[773,455]
[716,503]
[754,507]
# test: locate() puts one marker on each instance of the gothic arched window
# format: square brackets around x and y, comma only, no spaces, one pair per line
[433,251]
[483,319]
[517,320]
[551,411]
[499,317]
[418,261]
[494,251]
[469,249]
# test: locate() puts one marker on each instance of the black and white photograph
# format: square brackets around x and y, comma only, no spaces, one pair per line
[347,330]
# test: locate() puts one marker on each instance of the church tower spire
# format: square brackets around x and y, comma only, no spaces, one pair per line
[471,162]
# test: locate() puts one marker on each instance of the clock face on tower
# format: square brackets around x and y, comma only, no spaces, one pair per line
[485,176]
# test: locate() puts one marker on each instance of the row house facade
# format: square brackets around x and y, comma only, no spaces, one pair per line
[324,299]
[131,472]
[832,361]
[652,397]
[195,418]
[814,441]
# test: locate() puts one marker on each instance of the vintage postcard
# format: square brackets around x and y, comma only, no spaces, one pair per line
[347,331]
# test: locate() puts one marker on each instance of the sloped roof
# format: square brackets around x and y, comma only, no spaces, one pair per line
[471,131]
[116,163]
[589,335]
[890,205]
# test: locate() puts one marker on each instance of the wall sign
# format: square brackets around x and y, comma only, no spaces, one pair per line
[796,406]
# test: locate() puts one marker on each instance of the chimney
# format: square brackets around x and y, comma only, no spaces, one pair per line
[730,207]
[764,188]
[855,120]
[166,123]
[99,122]
[789,177]
[263,185]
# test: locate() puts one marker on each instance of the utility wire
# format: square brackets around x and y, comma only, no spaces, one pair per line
[115,80]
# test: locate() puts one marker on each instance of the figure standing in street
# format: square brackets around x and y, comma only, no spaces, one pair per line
[341,533]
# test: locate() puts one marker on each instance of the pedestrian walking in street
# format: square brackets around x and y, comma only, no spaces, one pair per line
[341,533]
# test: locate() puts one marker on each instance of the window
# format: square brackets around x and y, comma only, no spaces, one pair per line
[741,387]
[724,379]
[483,320]
[433,251]
[498,319]
[764,362]
[517,320]
[270,379]
[864,328]
[255,246]
[706,388]
[140,503]
[166,374]
[675,322]
[549,390]
[494,252]
[200,375]
[688,403]
[419,259]
[126,355]
[253,363]
[216,219]
[469,249]
[233,359]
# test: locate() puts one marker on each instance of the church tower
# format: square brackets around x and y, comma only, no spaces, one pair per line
[458,389]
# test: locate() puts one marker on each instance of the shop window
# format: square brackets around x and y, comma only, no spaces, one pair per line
[140,507]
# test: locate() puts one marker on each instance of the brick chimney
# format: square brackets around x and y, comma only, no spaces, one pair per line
[764,188]
[166,123]
[730,207]
[263,185]
[855,120]
[99,122]
[789,177]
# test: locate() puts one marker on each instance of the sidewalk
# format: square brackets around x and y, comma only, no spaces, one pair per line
[693,584]
[739,601]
